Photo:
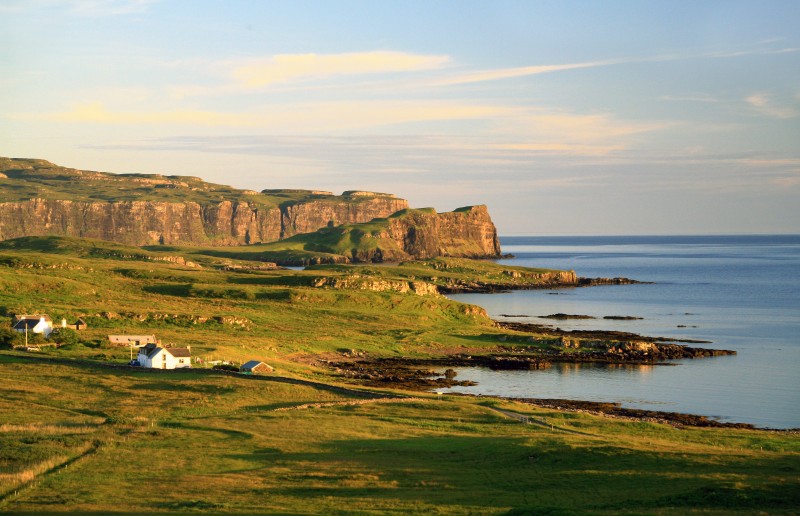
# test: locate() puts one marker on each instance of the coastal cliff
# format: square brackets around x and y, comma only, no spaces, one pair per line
[408,234]
[38,198]
[467,232]
[182,223]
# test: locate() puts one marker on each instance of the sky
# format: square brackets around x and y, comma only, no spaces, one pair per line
[564,117]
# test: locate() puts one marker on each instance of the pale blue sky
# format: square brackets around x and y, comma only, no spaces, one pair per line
[563,117]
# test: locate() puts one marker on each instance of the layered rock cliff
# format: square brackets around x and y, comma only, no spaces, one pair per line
[467,232]
[38,198]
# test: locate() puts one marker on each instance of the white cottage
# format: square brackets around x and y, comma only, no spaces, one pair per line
[34,324]
[156,357]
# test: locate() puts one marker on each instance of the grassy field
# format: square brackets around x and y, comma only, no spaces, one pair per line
[86,438]
[80,435]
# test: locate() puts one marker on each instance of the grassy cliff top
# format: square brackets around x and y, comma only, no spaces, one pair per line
[23,179]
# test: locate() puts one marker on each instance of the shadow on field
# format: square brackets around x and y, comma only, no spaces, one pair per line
[547,476]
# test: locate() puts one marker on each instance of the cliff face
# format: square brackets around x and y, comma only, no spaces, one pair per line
[188,223]
[311,216]
[467,233]
[39,198]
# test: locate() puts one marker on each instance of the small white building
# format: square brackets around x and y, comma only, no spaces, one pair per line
[132,340]
[156,357]
[34,324]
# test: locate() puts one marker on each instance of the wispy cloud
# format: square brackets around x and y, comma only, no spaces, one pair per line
[294,67]
[700,97]
[98,113]
[510,73]
[80,7]
[763,104]
[295,117]
[524,71]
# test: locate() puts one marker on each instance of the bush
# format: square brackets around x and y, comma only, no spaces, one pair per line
[226,367]
[10,338]
[65,336]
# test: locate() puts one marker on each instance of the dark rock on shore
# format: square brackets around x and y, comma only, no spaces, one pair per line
[590,334]
[592,282]
[616,410]
[414,374]
[560,316]
[622,318]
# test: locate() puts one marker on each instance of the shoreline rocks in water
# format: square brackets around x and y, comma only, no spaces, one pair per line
[590,334]
[562,317]
[616,410]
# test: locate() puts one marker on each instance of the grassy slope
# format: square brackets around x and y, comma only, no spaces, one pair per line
[186,441]
[286,314]
[216,443]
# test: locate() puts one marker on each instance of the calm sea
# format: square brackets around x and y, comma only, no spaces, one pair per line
[740,292]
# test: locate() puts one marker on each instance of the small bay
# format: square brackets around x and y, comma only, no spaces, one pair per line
[739,292]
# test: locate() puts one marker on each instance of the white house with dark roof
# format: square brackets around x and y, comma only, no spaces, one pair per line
[156,357]
[39,323]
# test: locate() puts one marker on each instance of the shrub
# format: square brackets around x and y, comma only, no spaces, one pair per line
[10,338]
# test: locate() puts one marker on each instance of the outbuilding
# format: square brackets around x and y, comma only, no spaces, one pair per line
[132,340]
[256,367]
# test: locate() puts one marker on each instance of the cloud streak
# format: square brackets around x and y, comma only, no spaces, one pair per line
[297,67]
[525,71]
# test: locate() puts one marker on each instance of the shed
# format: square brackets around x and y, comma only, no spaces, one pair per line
[132,340]
[256,367]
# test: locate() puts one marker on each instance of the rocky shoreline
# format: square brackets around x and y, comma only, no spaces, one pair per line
[601,347]
[617,411]
[565,279]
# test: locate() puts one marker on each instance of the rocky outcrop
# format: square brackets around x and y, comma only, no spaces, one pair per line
[523,281]
[467,232]
[419,234]
[359,282]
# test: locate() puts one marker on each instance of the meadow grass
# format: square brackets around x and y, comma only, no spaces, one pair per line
[78,435]
[190,441]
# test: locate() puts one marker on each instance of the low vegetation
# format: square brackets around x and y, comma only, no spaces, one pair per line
[79,430]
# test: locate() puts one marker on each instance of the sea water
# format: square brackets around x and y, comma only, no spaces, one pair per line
[739,292]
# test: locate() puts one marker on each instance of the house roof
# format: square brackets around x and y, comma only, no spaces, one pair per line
[251,364]
[26,323]
[20,317]
[152,350]
[149,350]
